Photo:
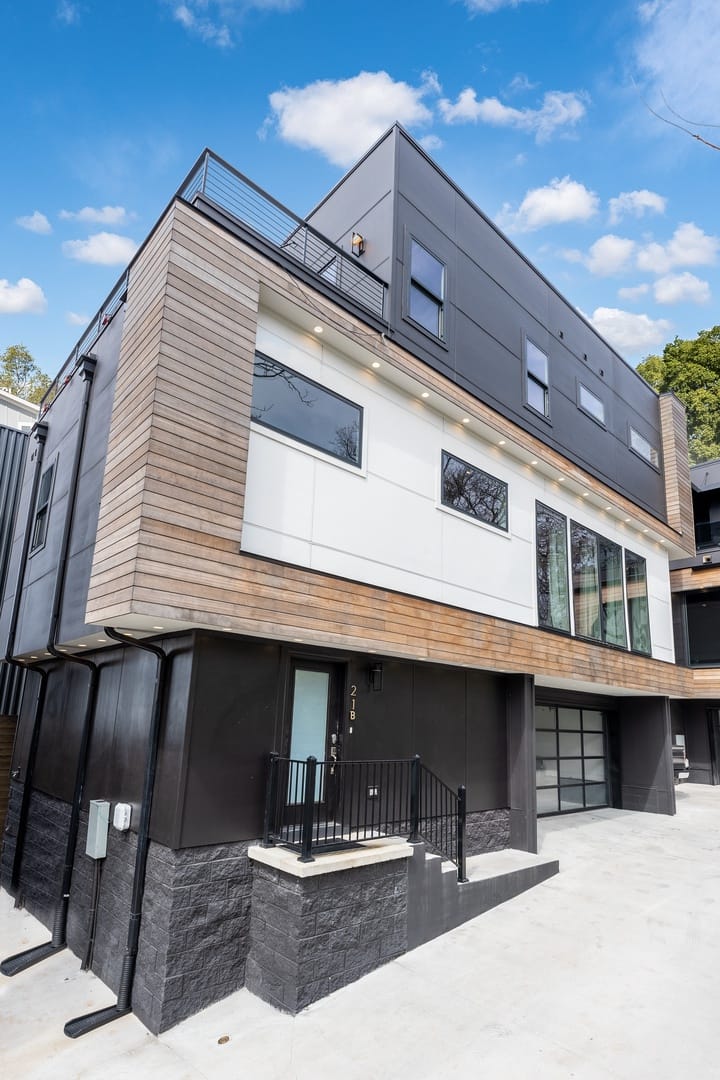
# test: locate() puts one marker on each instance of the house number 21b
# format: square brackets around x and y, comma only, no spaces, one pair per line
[353,701]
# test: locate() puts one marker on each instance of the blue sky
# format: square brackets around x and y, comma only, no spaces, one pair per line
[536,108]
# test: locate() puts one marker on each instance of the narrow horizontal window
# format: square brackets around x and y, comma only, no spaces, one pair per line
[645,449]
[427,289]
[291,403]
[637,597]
[537,384]
[474,492]
[591,404]
[552,568]
[42,510]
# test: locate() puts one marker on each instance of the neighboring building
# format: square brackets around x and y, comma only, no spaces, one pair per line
[377,490]
[695,583]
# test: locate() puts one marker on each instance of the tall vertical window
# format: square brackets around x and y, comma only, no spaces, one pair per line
[536,378]
[426,301]
[552,568]
[637,597]
[42,510]
[598,595]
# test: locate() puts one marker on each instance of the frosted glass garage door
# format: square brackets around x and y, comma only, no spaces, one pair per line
[570,759]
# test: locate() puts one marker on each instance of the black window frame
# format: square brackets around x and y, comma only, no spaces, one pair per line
[446,457]
[414,284]
[603,545]
[541,507]
[346,460]
[584,409]
[42,509]
[627,557]
[530,378]
[654,463]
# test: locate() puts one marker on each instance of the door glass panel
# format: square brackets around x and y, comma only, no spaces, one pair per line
[546,744]
[592,721]
[545,716]
[571,798]
[571,771]
[595,769]
[545,771]
[570,744]
[309,717]
[547,801]
[569,719]
[596,795]
[594,745]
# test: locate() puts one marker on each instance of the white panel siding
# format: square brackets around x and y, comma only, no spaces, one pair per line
[384,524]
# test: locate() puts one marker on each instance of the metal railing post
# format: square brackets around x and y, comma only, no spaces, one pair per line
[203,182]
[269,823]
[461,818]
[414,837]
[308,811]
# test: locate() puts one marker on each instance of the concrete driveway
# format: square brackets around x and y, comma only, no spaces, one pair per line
[608,970]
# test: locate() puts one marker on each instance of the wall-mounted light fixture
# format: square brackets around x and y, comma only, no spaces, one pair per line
[357,243]
[376,677]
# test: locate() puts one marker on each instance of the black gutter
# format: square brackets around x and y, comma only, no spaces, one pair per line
[40,433]
[81,1025]
[12,965]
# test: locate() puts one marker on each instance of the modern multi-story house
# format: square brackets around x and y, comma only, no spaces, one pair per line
[356,487]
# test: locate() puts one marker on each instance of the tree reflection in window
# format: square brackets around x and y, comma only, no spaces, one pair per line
[474,492]
[289,402]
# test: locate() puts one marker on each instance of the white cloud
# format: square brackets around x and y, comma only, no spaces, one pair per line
[634,292]
[431,142]
[609,255]
[560,201]
[681,288]
[688,246]
[98,215]
[343,118]
[74,319]
[25,298]
[103,248]
[68,13]
[628,332]
[677,50]
[520,83]
[559,109]
[635,203]
[487,7]
[35,222]
[213,20]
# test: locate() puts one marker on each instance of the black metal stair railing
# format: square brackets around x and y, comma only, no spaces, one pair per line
[314,806]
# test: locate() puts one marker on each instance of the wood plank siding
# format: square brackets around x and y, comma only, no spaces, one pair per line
[690,578]
[676,468]
[172,503]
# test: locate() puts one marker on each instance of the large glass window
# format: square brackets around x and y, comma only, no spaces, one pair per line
[536,378]
[427,290]
[703,626]
[637,598]
[570,759]
[474,492]
[552,568]
[42,510]
[598,598]
[295,405]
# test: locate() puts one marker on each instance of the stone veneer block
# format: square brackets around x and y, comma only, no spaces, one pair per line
[311,935]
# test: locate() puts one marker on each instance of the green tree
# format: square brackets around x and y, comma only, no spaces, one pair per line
[691,369]
[21,375]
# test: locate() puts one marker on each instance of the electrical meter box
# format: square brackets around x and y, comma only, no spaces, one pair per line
[98,825]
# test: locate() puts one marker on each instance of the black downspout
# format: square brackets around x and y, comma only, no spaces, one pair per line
[12,965]
[81,1025]
[40,433]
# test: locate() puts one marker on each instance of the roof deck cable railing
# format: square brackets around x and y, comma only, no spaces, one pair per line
[234,193]
[97,324]
[318,806]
